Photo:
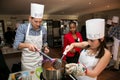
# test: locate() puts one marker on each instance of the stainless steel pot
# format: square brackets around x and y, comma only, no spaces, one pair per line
[49,73]
[52,74]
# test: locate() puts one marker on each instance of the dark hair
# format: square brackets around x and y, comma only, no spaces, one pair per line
[8,28]
[72,22]
[100,48]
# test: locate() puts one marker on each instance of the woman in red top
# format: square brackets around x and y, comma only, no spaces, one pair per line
[71,37]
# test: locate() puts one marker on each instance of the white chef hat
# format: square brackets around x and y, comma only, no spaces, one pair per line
[95,28]
[115,19]
[109,21]
[37,10]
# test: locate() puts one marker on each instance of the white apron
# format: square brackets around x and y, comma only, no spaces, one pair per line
[115,49]
[89,61]
[30,60]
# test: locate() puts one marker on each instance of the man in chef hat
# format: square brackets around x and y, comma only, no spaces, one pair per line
[31,37]
[109,22]
[115,33]
[94,57]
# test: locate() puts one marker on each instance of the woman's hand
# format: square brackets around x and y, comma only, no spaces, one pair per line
[67,49]
[73,51]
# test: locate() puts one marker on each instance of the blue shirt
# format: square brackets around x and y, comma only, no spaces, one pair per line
[21,34]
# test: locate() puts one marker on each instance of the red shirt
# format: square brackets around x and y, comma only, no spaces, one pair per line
[68,39]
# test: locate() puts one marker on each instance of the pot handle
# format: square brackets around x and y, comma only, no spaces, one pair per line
[46,56]
[72,77]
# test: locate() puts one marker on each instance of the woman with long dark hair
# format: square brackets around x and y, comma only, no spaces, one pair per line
[71,37]
[94,57]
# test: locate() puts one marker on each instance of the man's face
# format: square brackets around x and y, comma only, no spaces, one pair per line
[36,22]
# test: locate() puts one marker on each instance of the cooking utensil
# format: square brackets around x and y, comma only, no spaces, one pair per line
[58,62]
[64,53]
[72,77]
[50,73]
[48,57]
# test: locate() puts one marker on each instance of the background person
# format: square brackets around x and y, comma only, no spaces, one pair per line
[30,37]
[114,32]
[94,57]
[71,37]
[107,28]
[9,37]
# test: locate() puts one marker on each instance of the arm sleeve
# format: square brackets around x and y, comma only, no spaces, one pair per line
[81,39]
[19,37]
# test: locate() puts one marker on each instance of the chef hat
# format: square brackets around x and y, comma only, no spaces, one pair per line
[109,21]
[115,19]
[95,28]
[37,10]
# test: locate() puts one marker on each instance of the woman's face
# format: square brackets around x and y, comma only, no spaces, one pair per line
[94,44]
[72,28]
[36,22]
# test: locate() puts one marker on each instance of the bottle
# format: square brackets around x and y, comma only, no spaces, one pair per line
[13,77]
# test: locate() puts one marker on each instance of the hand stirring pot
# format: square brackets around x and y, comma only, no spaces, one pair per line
[55,62]
[58,63]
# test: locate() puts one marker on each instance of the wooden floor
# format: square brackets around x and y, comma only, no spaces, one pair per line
[107,74]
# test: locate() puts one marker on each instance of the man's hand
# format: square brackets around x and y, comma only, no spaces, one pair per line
[46,50]
[32,47]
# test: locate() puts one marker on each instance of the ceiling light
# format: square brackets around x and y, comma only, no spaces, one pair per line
[89,3]
[108,6]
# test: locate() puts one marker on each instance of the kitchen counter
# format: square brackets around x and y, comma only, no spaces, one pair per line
[11,56]
[26,75]
[8,50]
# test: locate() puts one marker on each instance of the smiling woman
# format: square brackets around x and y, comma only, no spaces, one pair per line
[94,56]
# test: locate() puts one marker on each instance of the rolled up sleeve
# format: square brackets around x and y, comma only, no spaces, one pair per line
[20,36]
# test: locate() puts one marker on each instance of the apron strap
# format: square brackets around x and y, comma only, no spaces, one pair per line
[28,29]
